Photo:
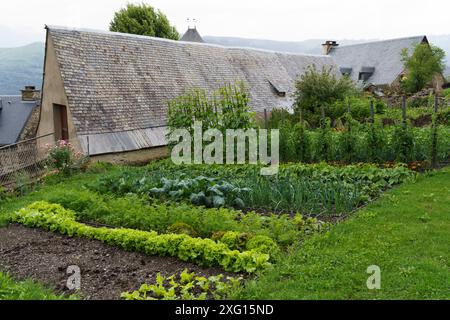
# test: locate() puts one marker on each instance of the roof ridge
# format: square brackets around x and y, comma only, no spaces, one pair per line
[87,30]
[381,41]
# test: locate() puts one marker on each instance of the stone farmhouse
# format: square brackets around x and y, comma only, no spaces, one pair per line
[107,92]
[376,63]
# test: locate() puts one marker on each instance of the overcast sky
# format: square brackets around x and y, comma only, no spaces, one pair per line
[22,21]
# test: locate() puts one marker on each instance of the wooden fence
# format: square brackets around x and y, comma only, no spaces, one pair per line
[22,162]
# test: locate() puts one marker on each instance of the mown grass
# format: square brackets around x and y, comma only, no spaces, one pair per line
[11,289]
[406,233]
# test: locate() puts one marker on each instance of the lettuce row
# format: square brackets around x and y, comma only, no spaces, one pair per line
[207,252]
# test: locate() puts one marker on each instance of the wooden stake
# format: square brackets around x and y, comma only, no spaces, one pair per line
[266,121]
[372,112]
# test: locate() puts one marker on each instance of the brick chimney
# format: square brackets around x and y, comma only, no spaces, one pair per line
[29,93]
[328,45]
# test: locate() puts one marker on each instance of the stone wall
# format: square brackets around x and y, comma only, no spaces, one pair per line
[30,129]
[137,157]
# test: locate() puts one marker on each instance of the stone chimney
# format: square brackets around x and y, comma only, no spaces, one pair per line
[29,93]
[328,45]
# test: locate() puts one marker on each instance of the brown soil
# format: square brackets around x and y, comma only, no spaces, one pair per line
[106,271]
[422,120]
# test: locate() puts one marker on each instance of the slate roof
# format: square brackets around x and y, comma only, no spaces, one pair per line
[192,35]
[13,117]
[118,84]
[384,56]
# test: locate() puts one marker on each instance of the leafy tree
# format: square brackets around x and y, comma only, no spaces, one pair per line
[320,88]
[425,61]
[143,20]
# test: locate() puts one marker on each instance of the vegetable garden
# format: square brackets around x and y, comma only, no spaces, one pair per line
[227,225]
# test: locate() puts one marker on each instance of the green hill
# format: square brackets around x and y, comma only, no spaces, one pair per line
[21,66]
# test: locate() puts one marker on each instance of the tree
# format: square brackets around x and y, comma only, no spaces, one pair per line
[425,61]
[316,89]
[143,20]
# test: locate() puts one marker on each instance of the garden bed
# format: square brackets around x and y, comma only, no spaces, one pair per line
[111,218]
[106,271]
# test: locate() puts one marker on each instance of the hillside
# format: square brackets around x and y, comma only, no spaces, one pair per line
[21,66]
[312,46]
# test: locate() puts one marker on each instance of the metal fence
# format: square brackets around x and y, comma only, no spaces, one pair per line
[22,162]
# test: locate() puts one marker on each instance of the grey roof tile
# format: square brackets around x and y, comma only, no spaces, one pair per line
[13,117]
[384,56]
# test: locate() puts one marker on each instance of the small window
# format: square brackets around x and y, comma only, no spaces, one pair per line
[364,76]
[366,73]
[346,71]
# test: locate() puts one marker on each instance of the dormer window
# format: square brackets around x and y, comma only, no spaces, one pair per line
[346,71]
[278,89]
[366,73]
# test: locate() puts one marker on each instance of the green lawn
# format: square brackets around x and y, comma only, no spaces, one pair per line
[406,233]
[11,289]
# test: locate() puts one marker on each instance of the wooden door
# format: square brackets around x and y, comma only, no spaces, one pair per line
[60,122]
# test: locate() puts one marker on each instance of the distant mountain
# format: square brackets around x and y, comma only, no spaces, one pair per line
[21,66]
[312,46]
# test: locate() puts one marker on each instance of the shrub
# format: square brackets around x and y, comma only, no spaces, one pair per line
[226,108]
[320,88]
[359,108]
[64,158]
[422,64]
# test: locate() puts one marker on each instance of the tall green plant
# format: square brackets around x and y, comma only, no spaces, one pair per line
[434,142]
[301,143]
[324,142]
[375,143]
[285,145]
[403,142]
[226,108]
[347,140]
